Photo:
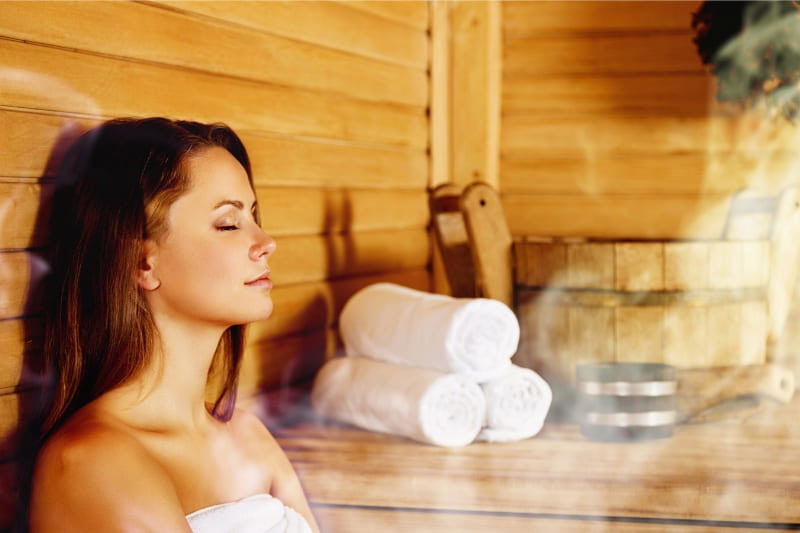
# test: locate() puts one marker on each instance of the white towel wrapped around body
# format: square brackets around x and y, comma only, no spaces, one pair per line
[413,402]
[261,513]
[475,337]
[516,405]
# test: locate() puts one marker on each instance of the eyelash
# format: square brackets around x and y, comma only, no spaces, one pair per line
[227,228]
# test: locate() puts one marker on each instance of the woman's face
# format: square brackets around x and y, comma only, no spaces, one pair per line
[211,266]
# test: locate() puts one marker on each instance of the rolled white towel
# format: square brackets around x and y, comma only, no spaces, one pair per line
[516,405]
[422,404]
[475,337]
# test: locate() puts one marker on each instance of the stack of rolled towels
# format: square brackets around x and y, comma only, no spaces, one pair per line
[431,367]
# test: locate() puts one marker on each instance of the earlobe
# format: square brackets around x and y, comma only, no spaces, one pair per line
[145,272]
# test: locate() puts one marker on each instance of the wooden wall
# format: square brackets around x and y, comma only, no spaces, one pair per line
[610,128]
[330,99]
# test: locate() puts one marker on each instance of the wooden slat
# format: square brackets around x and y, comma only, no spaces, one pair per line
[9,486]
[723,172]
[331,24]
[163,36]
[739,472]
[21,223]
[617,54]
[584,136]
[657,94]
[284,211]
[33,147]
[292,211]
[314,258]
[345,518]
[20,344]
[21,275]
[58,80]
[440,116]
[310,306]
[475,52]
[412,13]
[533,18]
[617,216]
[284,361]
[16,412]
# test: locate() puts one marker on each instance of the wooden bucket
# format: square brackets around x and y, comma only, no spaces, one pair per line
[689,304]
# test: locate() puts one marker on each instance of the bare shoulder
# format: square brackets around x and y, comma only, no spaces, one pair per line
[91,476]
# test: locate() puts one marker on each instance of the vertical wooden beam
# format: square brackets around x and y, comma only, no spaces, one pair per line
[439,103]
[476,41]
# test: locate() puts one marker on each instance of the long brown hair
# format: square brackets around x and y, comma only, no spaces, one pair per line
[113,192]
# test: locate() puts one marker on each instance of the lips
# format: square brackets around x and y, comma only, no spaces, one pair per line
[261,281]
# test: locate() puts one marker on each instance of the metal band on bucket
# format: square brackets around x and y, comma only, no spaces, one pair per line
[627,388]
[644,419]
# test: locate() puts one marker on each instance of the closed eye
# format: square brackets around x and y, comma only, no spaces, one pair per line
[227,228]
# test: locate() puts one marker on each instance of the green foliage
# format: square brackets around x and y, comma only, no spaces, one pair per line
[754,50]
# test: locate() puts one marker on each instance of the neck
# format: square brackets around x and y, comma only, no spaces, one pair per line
[169,395]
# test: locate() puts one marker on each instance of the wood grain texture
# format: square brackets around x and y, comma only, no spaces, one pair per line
[412,13]
[336,25]
[20,365]
[600,54]
[314,258]
[164,36]
[72,76]
[607,173]
[660,94]
[34,145]
[586,17]
[440,89]
[705,472]
[345,518]
[475,91]
[617,216]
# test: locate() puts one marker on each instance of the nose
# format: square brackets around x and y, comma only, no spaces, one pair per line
[264,246]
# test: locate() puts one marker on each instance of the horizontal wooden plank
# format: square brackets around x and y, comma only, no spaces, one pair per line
[20,344]
[309,306]
[413,13]
[344,518]
[16,413]
[742,471]
[577,135]
[533,18]
[293,211]
[35,142]
[656,94]
[21,277]
[9,497]
[21,223]
[600,54]
[65,81]
[617,216]
[331,24]
[314,258]
[201,43]
[693,173]
[284,211]
[286,360]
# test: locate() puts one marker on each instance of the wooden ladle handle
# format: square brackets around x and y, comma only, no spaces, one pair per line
[699,389]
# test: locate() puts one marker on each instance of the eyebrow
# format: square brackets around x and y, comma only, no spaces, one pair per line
[235,203]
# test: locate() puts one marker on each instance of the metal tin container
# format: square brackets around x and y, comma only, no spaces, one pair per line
[626,401]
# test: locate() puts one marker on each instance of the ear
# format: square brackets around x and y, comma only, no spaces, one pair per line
[145,271]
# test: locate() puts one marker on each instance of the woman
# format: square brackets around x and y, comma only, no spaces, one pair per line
[158,261]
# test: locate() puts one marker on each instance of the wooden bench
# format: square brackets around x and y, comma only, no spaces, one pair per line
[736,475]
